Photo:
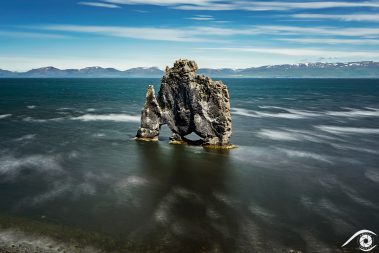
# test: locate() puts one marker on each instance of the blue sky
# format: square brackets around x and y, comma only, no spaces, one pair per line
[215,33]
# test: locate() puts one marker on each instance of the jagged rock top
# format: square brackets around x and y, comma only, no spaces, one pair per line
[182,66]
[188,103]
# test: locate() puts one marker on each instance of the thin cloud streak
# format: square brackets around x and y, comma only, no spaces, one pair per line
[160,34]
[349,17]
[161,3]
[298,52]
[217,5]
[97,4]
[202,18]
[335,31]
[331,41]
[32,35]
[209,33]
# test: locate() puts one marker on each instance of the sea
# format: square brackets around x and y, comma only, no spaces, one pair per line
[303,178]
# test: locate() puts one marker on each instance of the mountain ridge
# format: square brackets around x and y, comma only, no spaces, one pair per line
[361,69]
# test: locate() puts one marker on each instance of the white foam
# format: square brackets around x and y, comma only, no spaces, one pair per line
[131,181]
[289,114]
[355,148]
[64,109]
[278,135]
[108,117]
[312,136]
[31,106]
[304,113]
[31,119]
[243,112]
[90,109]
[59,188]
[300,114]
[282,115]
[351,112]
[261,212]
[3,116]
[271,107]
[281,135]
[224,198]
[11,166]
[25,137]
[256,114]
[348,130]
[372,175]
[303,154]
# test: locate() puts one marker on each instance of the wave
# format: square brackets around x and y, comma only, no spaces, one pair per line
[303,154]
[348,130]
[355,148]
[280,135]
[108,117]
[257,114]
[12,166]
[372,175]
[31,119]
[132,181]
[90,117]
[25,137]
[368,112]
[3,116]
[64,109]
[31,106]
[288,113]
[304,113]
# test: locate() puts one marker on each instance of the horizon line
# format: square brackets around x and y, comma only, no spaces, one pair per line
[162,69]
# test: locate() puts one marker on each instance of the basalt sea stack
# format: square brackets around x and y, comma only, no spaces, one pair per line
[188,103]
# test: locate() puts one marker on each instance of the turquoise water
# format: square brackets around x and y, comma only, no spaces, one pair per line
[305,174]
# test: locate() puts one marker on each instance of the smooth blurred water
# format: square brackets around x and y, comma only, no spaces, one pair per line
[305,174]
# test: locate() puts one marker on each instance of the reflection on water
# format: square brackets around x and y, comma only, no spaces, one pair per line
[186,204]
[304,176]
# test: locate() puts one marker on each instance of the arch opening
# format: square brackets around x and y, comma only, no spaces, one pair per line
[164,133]
[193,139]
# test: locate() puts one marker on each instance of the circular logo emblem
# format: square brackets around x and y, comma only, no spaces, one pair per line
[365,241]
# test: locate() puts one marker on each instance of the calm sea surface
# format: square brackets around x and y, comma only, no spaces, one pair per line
[305,175]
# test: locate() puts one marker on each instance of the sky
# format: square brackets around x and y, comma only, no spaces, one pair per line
[215,33]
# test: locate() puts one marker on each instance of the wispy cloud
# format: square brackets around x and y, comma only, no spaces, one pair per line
[145,33]
[32,35]
[202,18]
[349,17]
[215,5]
[98,4]
[210,33]
[162,3]
[297,52]
[335,31]
[331,41]
[289,30]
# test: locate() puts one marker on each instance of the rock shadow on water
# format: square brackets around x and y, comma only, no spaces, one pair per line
[185,214]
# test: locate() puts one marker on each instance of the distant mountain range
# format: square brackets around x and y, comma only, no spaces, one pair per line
[362,69]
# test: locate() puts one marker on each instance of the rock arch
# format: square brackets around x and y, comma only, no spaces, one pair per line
[187,103]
